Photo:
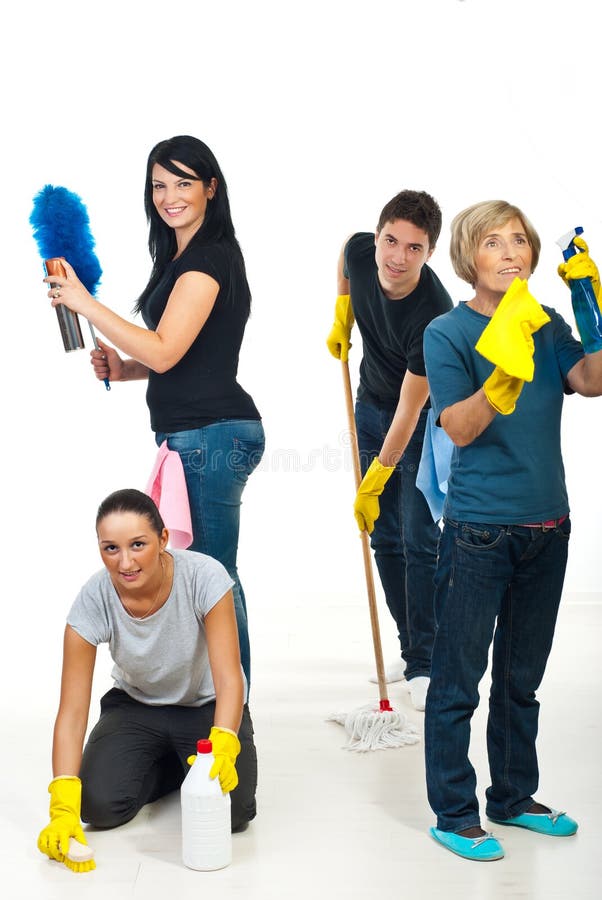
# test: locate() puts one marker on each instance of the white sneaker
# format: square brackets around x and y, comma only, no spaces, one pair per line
[395,672]
[418,688]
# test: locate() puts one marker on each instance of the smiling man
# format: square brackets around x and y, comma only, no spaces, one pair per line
[385,286]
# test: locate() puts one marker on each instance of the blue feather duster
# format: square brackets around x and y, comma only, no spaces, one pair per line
[61,227]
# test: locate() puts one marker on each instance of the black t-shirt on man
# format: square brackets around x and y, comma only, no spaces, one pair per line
[391,330]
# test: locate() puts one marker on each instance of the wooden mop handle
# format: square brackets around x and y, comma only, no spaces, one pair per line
[378,652]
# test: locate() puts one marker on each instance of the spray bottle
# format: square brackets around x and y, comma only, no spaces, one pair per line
[588,315]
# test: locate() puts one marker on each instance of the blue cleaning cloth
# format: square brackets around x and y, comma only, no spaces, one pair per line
[434,467]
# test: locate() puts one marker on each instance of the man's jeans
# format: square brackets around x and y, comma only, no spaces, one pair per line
[502,582]
[217,461]
[404,539]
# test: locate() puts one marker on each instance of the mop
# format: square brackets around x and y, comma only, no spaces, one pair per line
[368,727]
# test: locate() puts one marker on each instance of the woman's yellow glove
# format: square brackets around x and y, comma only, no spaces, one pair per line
[340,333]
[366,507]
[226,748]
[507,340]
[581,265]
[502,391]
[65,806]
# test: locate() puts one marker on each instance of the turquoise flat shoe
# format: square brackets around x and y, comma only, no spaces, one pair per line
[482,848]
[554,823]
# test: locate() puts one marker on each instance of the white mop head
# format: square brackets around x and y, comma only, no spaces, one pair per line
[372,729]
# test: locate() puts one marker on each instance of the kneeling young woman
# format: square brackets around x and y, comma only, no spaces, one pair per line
[168,618]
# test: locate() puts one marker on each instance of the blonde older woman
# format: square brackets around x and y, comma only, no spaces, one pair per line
[503,549]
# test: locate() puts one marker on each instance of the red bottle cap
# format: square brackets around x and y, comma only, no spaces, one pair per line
[204,746]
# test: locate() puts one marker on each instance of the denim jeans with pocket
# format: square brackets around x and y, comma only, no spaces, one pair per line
[499,583]
[404,539]
[217,461]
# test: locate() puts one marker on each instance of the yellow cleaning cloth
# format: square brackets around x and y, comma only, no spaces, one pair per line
[507,341]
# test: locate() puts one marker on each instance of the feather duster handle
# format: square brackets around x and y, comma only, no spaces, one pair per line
[61,228]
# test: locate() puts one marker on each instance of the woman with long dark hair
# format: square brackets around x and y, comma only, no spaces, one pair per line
[195,308]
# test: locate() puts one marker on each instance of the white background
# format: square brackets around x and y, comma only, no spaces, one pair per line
[318,114]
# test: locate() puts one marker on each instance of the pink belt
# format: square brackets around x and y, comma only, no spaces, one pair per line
[551,523]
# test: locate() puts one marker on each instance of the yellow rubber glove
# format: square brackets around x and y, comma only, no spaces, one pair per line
[581,265]
[502,391]
[226,748]
[65,806]
[366,507]
[340,333]
[507,341]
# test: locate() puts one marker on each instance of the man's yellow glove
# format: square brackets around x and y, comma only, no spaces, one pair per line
[226,748]
[502,391]
[507,341]
[340,333]
[65,806]
[366,507]
[581,265]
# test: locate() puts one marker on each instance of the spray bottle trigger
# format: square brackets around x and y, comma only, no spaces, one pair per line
[567,242]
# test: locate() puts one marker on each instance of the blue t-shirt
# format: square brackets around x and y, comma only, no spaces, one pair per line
[513,472]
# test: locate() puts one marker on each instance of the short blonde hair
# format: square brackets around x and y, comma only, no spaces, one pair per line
[469,227]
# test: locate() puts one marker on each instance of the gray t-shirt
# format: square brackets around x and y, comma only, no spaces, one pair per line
[161,660]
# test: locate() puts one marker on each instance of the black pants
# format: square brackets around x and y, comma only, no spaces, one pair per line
[138,753]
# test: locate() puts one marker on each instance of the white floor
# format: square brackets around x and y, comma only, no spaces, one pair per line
[331,823]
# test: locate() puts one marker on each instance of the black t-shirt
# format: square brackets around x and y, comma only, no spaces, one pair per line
[202,387]
[391,330]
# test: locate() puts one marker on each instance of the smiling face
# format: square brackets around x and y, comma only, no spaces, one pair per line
[401,251]
[503,254]
[130,549]
[181,202]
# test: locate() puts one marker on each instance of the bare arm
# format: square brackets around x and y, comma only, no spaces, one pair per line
[466,420]
[412,397]
[187,310]
[224,659]
[342,280]
[108,364]
[586,376]
[79,658]
[133,370]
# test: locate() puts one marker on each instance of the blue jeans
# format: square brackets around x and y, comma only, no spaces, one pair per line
[217,461]
[500,582]
[404,539]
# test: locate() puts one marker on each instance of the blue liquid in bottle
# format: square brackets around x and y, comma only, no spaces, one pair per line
[587,314]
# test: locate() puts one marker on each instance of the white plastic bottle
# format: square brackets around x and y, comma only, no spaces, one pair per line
[206,827]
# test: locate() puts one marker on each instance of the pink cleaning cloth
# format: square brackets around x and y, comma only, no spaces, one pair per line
[167,487]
